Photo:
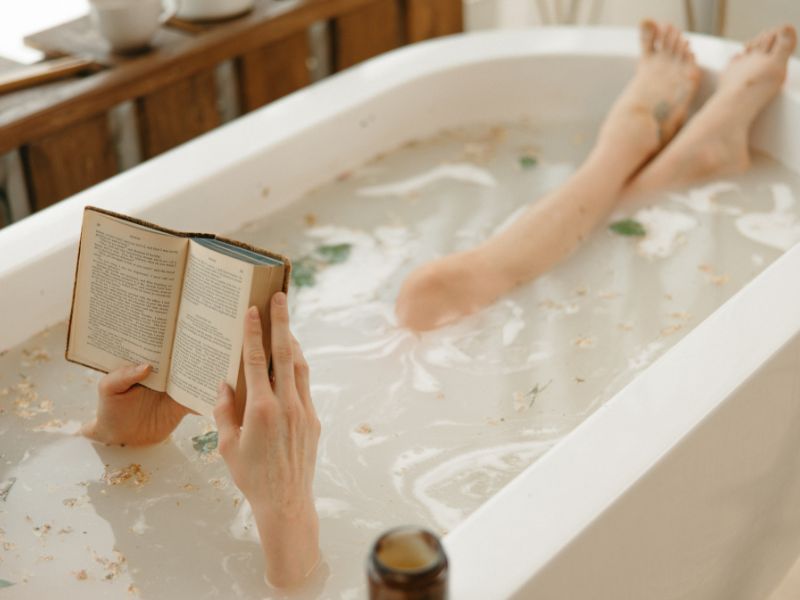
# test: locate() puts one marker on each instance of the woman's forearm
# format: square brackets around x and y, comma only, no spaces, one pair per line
[290,541]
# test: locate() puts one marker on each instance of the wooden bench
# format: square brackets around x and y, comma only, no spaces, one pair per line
[62,132]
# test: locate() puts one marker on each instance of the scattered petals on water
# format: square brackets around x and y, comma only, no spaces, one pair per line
[132,473]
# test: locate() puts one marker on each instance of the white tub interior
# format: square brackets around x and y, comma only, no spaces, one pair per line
[263,163]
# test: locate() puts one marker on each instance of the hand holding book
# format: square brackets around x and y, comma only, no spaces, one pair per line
[132,415]
[272,453]
[166,315]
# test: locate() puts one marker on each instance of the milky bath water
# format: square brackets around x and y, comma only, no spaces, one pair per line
[417,429]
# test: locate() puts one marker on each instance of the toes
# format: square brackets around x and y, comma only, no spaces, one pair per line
[683,49]
[670,39]
[648,31]
[785,41]
[755,44]
[780,41]
[769,41]
[763,41]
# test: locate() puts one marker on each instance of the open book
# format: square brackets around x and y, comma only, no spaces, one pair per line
[177,301]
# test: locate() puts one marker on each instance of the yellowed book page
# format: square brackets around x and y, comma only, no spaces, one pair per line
[126,296]
[208,336]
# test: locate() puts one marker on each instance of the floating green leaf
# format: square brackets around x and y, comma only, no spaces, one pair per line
[334,254]
[4,583]
[304,272]
[5,487]
[206,442]
[526,161]
[629,227]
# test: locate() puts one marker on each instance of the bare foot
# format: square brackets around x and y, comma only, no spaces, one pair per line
[446,290]
[655,103]
[715,142]
[647,114]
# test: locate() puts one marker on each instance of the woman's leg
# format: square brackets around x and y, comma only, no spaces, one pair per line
[645,117]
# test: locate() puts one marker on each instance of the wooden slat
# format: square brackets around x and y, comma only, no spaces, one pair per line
[78,100]
[200,26]
[177,113]
[427,19]
[5,212]
[366,32]
[6,65]
[64,163]
[39,73]
[270,72]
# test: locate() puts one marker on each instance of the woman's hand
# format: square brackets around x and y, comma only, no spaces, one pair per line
[272,455]
[132,415]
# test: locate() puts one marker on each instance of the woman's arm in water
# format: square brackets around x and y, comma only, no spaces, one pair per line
[272,455]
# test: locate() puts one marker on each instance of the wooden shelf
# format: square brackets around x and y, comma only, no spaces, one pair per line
[173,85]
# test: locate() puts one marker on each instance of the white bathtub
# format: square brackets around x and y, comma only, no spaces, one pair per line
[684,485]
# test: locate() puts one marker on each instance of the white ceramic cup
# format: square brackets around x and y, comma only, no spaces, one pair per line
[128,25]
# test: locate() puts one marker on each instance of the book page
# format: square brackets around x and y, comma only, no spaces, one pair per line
[126,296]
[208,335]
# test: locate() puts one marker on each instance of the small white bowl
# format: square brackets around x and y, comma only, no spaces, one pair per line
[209,10]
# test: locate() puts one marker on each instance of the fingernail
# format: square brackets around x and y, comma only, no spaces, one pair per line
[279,298]
[221,388]
[252,313]
[142,368]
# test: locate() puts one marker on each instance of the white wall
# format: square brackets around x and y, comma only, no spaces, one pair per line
[737,19]
[744,18]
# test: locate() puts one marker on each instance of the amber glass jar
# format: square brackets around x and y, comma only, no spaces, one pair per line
[407,563]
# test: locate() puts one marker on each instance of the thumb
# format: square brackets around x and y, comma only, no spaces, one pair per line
[225,416]
[120,380]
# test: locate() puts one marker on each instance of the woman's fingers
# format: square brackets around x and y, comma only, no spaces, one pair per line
[89,430]
[282,348]
[121,380]
[225,416]
[301,375]
[254,359]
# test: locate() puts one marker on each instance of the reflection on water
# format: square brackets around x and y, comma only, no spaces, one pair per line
[417,428]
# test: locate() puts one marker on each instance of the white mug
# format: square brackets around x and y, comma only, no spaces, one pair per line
[128,25]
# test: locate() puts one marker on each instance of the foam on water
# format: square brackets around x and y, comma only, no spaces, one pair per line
[417,429]
[779,228]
